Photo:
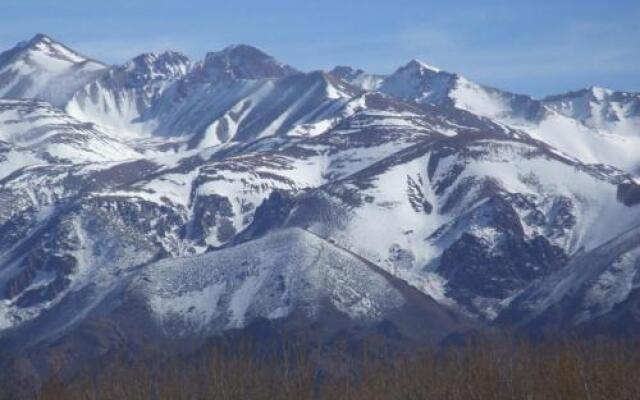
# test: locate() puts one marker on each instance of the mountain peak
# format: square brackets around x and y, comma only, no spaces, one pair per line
[345,72]
[417,64]
[38,40]
[244,49]
[357,77]
[167,63]
[41,38]
[148,67]
[242,61]
[49,48]
[44,69]
[420,82]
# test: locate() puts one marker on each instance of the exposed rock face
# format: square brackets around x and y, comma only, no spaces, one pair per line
[269,215]
[212,214]
[629,193]
[474,267]
[243,62]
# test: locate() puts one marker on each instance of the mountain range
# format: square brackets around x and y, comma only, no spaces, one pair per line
[165,201]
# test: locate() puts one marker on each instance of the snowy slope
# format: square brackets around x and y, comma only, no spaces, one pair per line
[423,83]
[602,109]
[243,110]
[590,145]
[14,158]
[596,126]
[56,136]
[44,69]
[120,97]
[174,205]
[222,189]
[236,94]
[286,272]
[420,211]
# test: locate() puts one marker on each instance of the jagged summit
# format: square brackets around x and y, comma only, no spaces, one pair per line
[244,62]
[415,63]
[346,72]
[600,108]
[421,82]
[357,77]
[48,46]
[159,65]
[37,39]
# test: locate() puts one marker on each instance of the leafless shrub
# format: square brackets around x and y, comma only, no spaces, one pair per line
[497,368]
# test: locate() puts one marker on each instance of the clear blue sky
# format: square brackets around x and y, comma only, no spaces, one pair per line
[522,46]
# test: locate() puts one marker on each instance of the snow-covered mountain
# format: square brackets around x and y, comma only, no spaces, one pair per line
[601,109]
[56,136]
[243,62]
[173,200]
[118,98]
[595,125]
[44,69]
[423,83]
[236,94]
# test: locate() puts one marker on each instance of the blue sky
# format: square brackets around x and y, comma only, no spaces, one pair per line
[535,47]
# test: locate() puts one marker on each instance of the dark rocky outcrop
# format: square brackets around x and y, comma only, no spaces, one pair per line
[269,215]
[629,193]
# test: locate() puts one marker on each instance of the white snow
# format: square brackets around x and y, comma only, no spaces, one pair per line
[53,72]
[472,97]
[268,277]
